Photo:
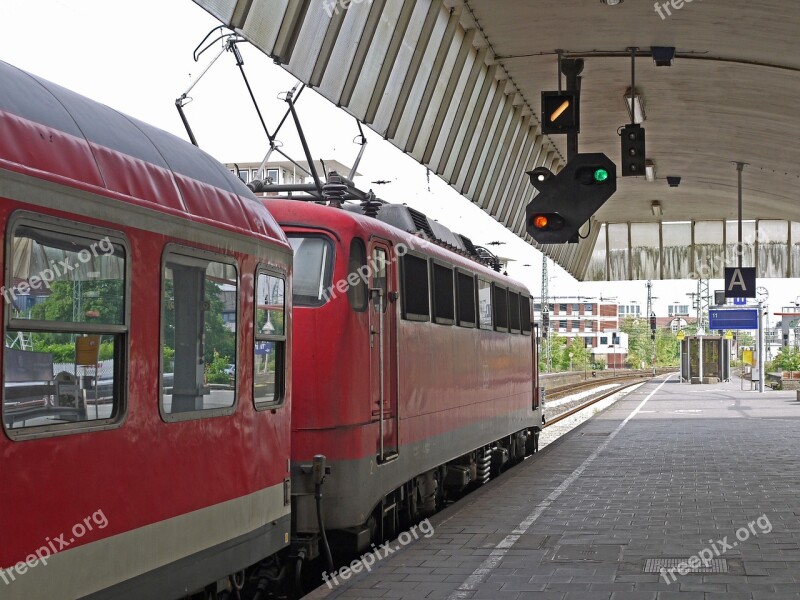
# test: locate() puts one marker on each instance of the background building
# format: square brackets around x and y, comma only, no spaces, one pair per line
[595,321]
[286,172]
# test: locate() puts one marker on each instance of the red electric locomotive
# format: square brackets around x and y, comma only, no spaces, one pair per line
[414,372]
[139,275]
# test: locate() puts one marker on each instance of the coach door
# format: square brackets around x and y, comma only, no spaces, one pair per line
[383,344]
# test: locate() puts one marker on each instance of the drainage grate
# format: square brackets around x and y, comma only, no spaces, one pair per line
[656,565]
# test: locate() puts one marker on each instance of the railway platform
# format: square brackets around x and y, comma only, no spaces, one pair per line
[674,492]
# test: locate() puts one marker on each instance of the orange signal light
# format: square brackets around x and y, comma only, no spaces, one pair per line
[559,111]
[541,222]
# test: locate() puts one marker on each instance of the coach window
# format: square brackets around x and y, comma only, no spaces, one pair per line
[198,334]
[415,291]
[525,314]
[465,298]
[313,264]
[513,312]
[269,366]
[443,295]
[485,304]
[500,299]
[357,274]
[66,328]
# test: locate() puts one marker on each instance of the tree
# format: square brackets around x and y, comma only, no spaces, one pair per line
[668,349]
[557,345]
[99,300]
[788,359]
[217,337]
[640,344]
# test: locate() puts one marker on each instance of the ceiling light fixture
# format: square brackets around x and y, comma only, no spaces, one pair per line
[663,55]
[611,2]
[656,208]
[673,181]
[650,170]
[636,113]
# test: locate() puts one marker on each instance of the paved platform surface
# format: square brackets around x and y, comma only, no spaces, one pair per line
[672,471]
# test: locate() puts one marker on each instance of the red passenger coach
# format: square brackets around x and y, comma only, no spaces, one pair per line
[138,275]
[414,368]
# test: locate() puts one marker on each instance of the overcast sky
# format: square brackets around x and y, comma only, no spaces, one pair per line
[136,56]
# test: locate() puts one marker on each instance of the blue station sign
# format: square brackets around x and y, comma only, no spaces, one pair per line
[733,318]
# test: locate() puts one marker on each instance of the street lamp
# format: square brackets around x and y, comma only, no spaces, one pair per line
[571,354]
[613,356]
[585,358]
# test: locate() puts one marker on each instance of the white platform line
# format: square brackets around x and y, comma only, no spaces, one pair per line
[480,574]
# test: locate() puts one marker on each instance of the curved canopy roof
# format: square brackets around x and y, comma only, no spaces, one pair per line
[456,85]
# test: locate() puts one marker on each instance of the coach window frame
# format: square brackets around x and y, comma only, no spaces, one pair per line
[84,231]
[360,290]
[210,256]
[412,316]
[283,340]
[435,262]
[515,330]
[329,288]
[496,287]
[525,318]
[489,284]
[475,317]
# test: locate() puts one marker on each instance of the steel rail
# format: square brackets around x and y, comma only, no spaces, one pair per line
[589,403]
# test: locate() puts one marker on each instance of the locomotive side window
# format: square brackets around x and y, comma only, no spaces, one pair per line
[500,299]
[269,366]
[357,292]
[313,264]
[443,295]
[466,299]
[525,314]
[485,304]
[198,335]
[66,326]
[513,312]
[415,291]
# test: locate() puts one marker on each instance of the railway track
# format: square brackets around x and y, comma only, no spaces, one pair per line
[556,393]
[584,405]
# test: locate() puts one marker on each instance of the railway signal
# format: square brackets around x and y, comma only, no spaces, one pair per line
[633,151]
[568,199]
[560,113]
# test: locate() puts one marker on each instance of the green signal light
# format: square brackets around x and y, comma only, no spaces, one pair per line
[600,175]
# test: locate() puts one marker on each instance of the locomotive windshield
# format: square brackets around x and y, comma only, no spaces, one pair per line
[313,262]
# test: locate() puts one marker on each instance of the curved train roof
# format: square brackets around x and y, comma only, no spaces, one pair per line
[53,133]
[302,213]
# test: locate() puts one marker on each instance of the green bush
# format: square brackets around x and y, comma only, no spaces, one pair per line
[788,359]
[215,370]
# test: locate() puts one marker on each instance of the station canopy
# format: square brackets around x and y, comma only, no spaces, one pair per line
[457,86]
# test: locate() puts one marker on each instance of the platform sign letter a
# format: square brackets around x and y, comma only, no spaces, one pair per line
[740,282]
